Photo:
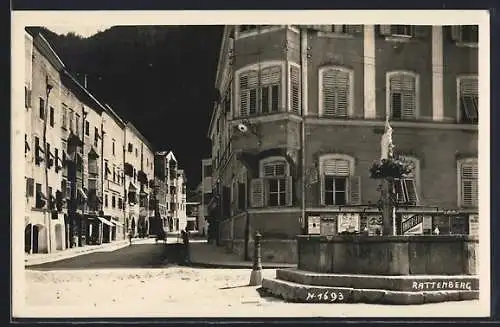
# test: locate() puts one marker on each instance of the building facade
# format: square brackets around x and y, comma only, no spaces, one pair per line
[139,171]
[206,196]
[44,222]
[299,122]
[75,159]
[113,175]
[175,182]
[181,199]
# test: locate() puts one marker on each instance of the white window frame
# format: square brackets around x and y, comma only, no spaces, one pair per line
[258,67]
[388,110]
[335,156]
[262,164]
[259,30]
[350,97]
[460,163]
[289,87]
[459,81]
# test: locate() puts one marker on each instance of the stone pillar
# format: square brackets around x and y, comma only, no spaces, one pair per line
[256,275]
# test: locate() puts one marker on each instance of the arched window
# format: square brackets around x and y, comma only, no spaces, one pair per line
[338,184]
[273,188]
[335,91]
[407,188]
[402,95]
[467,171]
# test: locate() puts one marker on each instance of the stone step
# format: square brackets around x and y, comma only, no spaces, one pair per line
[294,292]
[406,283]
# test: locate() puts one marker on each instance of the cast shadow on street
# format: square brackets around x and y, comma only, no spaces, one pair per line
[134,256]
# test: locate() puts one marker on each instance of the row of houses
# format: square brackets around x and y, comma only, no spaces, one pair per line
[90,175]
[299,120]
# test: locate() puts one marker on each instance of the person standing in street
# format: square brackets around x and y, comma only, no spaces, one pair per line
[185,241]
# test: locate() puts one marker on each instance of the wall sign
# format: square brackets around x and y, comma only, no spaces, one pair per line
[314,225]
[348,222]
[474,225]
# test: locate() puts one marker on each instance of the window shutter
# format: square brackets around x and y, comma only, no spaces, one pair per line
[289,191]
[248,81]
[234,198]
[455,32]
[469,97]
[271,75]
[385,29]
[30,187]
[322,189]
[335,93]
[336,167]
[355,190]
[399,190]
[411,192]
[405,85]
[257,192]
[295,90]
[469,185]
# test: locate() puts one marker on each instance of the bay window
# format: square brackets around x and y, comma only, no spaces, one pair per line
[260,91]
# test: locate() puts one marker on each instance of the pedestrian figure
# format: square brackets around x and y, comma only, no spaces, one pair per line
[185,241]
[436,230]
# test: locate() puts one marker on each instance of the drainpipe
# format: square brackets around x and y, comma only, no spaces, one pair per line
[84,115]
[303,80]
[125,195]
[48,88]
[102,166]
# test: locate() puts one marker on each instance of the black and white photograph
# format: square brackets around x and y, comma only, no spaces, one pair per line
[181,164]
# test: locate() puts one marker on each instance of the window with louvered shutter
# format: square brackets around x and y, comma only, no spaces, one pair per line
[257,192]
[355,190]
[336,91]
[248,93]
[468,97]
[469,180]
[295,90]
[274,169]
[270,79]
[402,96]
[336,167]
[335,181]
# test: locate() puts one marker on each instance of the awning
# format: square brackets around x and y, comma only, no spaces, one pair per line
[105,221]
[82,193]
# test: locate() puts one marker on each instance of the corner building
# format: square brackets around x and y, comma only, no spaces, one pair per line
[313,100]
